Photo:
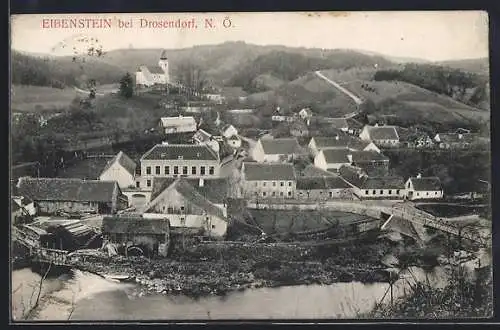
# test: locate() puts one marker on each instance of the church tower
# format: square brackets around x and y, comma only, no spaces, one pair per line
[163,63]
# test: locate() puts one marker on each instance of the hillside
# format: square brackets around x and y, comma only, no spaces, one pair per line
[38,98]
[480,65]
[61,72]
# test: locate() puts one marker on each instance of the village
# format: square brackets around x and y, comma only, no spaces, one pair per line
[297,183]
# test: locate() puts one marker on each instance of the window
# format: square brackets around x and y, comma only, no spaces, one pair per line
[264,194]
[390,192]
[137,184]
[331,193]
[185,170]
[176,169]
[282,183]
[418,194]
[289,193]
[183,221]
[170,210]
[374,192]
[426,194]
[274,183]
[213,226]
[148,170]
[367,192]
[436,193]
[256,184]
[397,192]
[182,208]
[193,170]
[274,193]
[167,170]
[281,193]
[148,183]
[157,170]
[163,208]
[202,170]
[263,184]
[381,192]
[408,185]
[290,183]
[211,170]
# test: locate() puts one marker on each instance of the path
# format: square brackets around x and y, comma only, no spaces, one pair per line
[356,99]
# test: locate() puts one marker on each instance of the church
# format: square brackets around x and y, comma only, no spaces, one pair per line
[147,76]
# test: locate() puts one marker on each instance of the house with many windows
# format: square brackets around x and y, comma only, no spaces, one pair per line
[178,160]
[373,187]
[271,180]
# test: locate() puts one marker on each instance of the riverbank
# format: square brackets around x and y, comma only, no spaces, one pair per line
[217,269]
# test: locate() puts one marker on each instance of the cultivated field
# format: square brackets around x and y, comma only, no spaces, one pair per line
[37,98]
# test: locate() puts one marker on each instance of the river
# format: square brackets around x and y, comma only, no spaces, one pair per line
[86,297]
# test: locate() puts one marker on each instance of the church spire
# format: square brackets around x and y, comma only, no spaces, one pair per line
[163,55]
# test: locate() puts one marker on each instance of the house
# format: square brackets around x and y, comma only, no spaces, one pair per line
[188,207]
[305,114]
[16,212]
[180,124]
[322,188]
[234,141]
[338,123]
[147,76]
[318,143]
[215,97]
[176,160]
[276,150]
[372,162]
[454,140]
[423,141]
[52,195]
[276,180]
[204,138]
[26,203]
[382,136]
[299,129]
[332,159]
[149,236]
[373,187]
[228,130]
[423,188]
[279,116]
[120,169]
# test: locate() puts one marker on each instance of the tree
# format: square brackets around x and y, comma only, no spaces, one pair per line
[92,87]
[126,86]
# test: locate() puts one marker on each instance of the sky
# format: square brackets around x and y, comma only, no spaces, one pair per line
[434,36]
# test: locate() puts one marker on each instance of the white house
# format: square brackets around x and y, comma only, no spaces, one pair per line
[147,76]
[204,138]
[186,207]
[305,114]
[276,150]
[332,159]
[340,142]
[385,136]
[423,188]
[120,169]
[228,131]
[276,180]
[178,124]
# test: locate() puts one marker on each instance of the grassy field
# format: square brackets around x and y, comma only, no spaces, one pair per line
[284,221]
[37,98]
[89,169]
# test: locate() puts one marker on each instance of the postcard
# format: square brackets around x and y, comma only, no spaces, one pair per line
[184,167]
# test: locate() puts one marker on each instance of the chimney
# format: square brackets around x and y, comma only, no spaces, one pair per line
[419,176]
[201,182]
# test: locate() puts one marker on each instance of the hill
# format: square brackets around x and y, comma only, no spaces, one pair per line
[477,65]
[61,72]
[39,98]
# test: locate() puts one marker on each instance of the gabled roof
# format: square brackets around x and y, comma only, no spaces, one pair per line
[134,225]
[14,206]
[215,190]
[337,123]
[282,146]
[177,121]
[340,141]
[336,156]
[125,161]
[382,132]
[58,189]
[367,156]
[426,184]
[259,171]
[358,178]
[226,127]
[322,182]
[155,69]
[183,187]
[185,151]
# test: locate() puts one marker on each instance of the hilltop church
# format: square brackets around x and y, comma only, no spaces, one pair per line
[147,76]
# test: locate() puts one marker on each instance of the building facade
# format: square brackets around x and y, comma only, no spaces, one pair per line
[322,188]
[332,159]
[276,150]
[180,124]
[147,76]
[263,181]
[423,188]
[120,169]
[382,136]
[178,160]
